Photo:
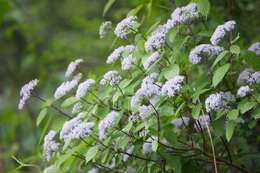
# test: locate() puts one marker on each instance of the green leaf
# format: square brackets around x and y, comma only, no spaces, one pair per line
[252,59]
[171,71]
[204,7]
[128,127]
[246,105]
[154,145]
[196,111]
[91,153]
[68,102]
[256,113]
[108,6]
[219,74]
[219,58]
[233,114]
[134,11]
[175,163]
[230,126]
[41,116]
[235,49]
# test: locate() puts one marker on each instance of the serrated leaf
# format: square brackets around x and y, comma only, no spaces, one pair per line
[230,126]
[68,102]
[219,74]
[155,145]
[233,114]
[235,49]
[246,105]
[91,153]
[41,116]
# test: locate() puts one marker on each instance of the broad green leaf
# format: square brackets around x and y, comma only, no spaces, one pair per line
[68,102]
[196,95]
[252,59]
[171,71]
[91,153]
[235,49]
[256,113]
[196,111]
[230,126]
[219,74]
[128,127]
[175,163]
[108,6]
[154,145]
[135,11]
[246,105]
[204,7]
[41,116]
[233,114]
[220,57]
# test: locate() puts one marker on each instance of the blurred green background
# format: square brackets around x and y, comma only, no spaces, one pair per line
[38,38]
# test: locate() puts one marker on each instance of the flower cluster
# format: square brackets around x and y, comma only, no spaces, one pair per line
[156,40]
[150,60]
[84,87]
[50,145]
[129,151]
[112,78]
[72,67]
[127,63]
[107,122]
[219,101]
[221,32]
[77,108]
[178,122]
[75,129]
[248,76]
[202,50]
[104,28]
[255,47]
[117,53]
[126,26]
[244,91]
[67,86]
[172,86]
[26,92]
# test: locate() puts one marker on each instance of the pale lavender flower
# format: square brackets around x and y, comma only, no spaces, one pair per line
[172,86]
[129,151]
[255,47]
[202,122]
[150,60]
[156,40]
[112,78]
[147,146]
[115,55]
[67,86]
[127,63]
[93,170]
[50,145]
[84,87]
[26,92]
[248,76]
[107,122]
[112,164]
[144,111]
[104,28]
[126,26]
[77,108]
[72,67]
[221,31]
[244,91]
[203,50]
[178,122]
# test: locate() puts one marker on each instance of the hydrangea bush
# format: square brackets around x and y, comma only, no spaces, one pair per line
[179,102]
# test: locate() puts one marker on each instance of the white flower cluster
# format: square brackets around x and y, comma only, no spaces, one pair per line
[72,67]
[130,150]
[221,31]
[149,88]
[125,27]
[75,129]
[202,122]
[255,47]
[117,53]
[244,91]
[156,40]
[178,122]
[201,50]
[127,63]
[26,92]
[219,101]
[77,108]
[50,145]
[172,86]
[107,122]
[150,60]
[84,87]
[67,86]
[111,77]
[248,76]
[104,28]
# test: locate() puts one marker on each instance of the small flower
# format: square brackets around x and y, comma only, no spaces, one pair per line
[244,91]
[104,28]
[147,146]
[154,57]
[202,122]
[255,47]
[72,67]
[67,86]
[115,55]
[221,32]
[112,78]
[178,122]
[156,40]
[107,122]
[84,87]
[127,63]
[112,164]
[26,92]
[126,26]
[75,129]
[77,108]
[129,151]
[50,145]
[172,86]
[202,50]
[248,76]
[144,111]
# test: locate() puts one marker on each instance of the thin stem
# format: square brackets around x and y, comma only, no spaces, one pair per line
[158,122]
[120,90]
[101,101]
